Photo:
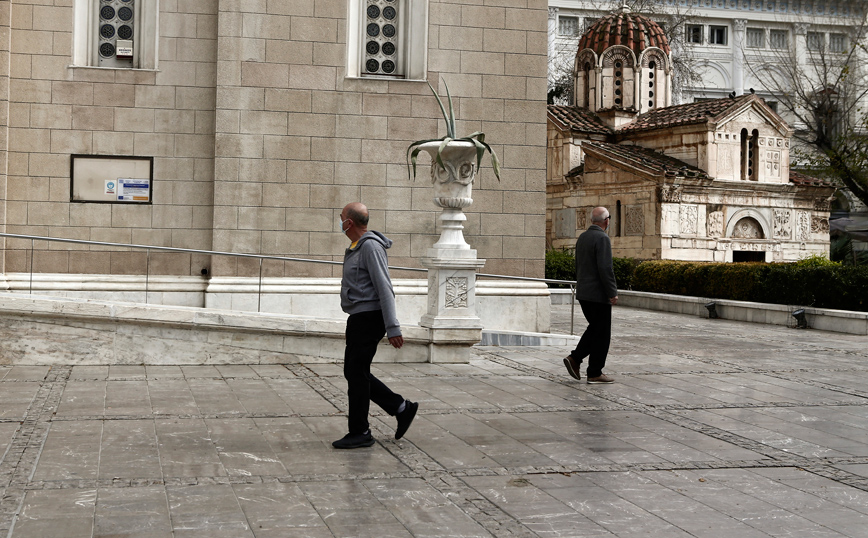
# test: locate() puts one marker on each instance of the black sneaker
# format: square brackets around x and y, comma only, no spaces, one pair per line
[405,418]
[355,440]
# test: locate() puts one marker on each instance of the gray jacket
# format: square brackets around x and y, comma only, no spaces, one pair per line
[365,285]
[594,274]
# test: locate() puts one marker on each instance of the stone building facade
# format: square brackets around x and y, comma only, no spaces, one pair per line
[260,120]
[705,181]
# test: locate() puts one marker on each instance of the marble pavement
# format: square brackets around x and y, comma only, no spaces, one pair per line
[714,428]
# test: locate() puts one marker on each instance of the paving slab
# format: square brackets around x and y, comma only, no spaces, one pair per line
[712,428]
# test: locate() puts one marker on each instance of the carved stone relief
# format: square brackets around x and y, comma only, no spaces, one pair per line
[819,225]
[714,224]
[689,219]
[823,204]
[773,164]
[747,228]
[803,230]
[724,160]
[783,229]
[634,220]
[582,218]
[669,193]
[456,292]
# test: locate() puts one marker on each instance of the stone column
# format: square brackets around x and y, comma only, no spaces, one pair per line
[800,34]
[738,27]
[552,31]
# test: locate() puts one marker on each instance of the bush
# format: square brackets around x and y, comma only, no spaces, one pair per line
[814,281]
[560,265]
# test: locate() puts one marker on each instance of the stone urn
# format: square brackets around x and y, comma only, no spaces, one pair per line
[453,185]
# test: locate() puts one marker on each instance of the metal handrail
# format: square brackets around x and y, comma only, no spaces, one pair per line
[260,257]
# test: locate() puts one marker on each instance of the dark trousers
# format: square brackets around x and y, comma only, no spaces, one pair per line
[364,332]
[595,340]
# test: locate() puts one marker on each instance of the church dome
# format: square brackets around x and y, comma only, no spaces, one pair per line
[631,30]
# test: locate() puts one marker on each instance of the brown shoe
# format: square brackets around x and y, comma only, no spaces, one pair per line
[602,378]
[572,369]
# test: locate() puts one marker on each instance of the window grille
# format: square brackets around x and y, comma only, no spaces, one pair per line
[717,35]
[779,39]
[385,41]
[756,38]
[837,43]
[814,41]
[116,37]
[694,33]
[568,26]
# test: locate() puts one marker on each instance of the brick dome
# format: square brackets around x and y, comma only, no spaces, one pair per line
[628,29]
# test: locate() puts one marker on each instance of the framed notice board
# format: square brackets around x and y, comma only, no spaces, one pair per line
[112,179]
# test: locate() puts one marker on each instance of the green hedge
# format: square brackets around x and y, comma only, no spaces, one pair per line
[561,265]
[805,284]
[814,281]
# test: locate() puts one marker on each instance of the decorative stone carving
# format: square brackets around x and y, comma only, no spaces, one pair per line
[553,12]
[456,292]
[773,164]
[739,24]
[614,54]
[823,204]
[783,229]
[714,224]
[669,194]
[803,227]
[582,218]
[453,184]
[747,228]
[635,220]
[689,219]
[800,28]
[819,225]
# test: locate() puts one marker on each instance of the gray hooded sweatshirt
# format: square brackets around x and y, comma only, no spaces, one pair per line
[365,285]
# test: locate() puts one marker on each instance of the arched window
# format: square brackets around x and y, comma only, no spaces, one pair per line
[753,156]
[617,219]
[652,84]
[749,155]
[618,78]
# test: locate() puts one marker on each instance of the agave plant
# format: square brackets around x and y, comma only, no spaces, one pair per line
[477,138]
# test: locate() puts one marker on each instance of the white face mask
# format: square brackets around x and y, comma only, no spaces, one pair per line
[341,225]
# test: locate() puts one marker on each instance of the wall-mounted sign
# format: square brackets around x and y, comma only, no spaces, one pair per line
[134,190]
[111,179]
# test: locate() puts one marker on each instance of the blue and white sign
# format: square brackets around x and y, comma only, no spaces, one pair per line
[110,186]
[134,190]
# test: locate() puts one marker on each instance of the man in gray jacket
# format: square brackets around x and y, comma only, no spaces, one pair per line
[367,296]
[597,292]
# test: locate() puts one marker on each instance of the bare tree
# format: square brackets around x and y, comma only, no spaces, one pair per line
[824,92]
[671,18]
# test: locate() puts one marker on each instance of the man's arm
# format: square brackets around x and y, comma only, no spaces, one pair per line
[606,270]
[378,269]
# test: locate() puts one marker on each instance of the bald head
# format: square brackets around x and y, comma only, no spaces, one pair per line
[599,214]
[357,212]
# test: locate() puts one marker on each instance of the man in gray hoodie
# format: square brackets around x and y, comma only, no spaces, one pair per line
[367,296]
[597,292]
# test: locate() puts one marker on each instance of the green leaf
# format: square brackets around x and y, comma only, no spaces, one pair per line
[442,109]
[443,145]
[450,127]
[411,156]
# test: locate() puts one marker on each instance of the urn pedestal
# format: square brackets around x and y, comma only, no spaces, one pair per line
[452,265]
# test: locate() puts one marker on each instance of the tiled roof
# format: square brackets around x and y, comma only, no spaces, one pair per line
[628,29]
[644,158]
[699,112]
[803,180]
[578,119]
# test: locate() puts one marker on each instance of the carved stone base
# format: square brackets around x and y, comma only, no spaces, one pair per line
[451,314]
